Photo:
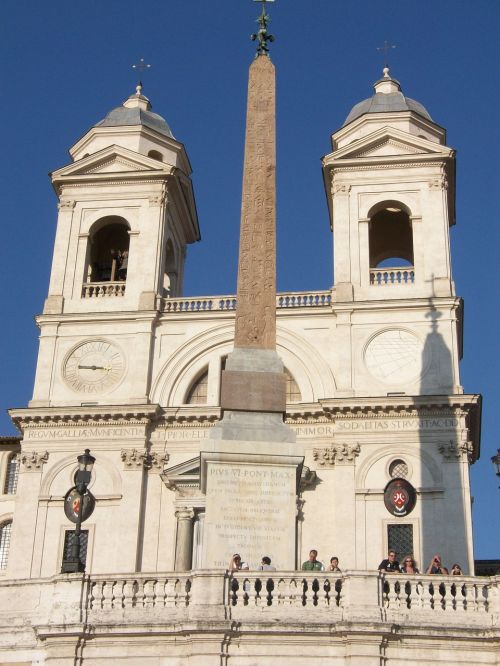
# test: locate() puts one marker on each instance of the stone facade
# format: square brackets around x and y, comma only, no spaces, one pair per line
[374,394]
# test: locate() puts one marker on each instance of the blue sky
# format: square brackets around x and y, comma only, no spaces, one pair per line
[66,64]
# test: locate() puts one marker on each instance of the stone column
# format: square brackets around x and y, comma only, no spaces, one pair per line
[184,543]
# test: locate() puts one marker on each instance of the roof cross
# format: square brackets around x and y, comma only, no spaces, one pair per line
[386,48]
[141,65]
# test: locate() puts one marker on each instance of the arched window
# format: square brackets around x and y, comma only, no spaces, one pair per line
[12,475]
[197,394]
[108,251]
[5,530]
[170,280]
[156,155]
[292,390]
[391,244]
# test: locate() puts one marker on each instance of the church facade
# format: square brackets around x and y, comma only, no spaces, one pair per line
[131,370]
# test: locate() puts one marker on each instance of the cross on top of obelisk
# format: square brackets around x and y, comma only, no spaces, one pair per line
[386,48]
[262,35]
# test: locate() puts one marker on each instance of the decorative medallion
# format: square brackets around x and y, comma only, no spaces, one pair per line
[73,502]
[394,356]
[399,497]
[94,366]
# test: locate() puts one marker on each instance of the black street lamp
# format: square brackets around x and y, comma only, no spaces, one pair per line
[496,462]
[78,505]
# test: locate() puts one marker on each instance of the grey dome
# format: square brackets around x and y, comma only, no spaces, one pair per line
[386,102]
[136,111]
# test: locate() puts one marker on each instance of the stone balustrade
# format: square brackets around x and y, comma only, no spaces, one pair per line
[446,594]
[299,590]
[319,597]
[299,299]
[103,289]
[387,277]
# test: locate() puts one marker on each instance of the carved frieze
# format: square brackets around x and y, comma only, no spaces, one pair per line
[440,183]
[34,461]
[343,454]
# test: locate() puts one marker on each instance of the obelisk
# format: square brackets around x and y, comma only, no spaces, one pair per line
[253,382]
[250,467]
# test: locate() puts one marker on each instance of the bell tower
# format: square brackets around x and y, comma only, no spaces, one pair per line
[390,183]
[126,215]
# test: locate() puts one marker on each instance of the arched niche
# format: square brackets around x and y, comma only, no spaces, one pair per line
[108,250]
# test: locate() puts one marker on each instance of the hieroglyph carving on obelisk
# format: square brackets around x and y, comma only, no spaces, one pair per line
[256,305]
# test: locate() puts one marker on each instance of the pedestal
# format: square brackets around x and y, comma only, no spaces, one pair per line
[250,504]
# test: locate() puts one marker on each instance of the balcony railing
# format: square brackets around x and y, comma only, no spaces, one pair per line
[103,289]
[391,596]
[386,277]
[297,299]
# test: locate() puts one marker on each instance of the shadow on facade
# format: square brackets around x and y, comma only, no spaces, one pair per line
[444,489]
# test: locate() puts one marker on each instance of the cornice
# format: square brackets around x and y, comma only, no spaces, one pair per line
[401,405]
[85,416]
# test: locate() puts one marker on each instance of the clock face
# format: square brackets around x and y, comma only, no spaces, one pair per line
[94,366]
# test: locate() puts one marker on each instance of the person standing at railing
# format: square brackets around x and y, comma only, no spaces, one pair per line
[436,567]
[266,564]
[456,570]
[409,565]
[313,564]
[390,564]
[236,564]
[334,565]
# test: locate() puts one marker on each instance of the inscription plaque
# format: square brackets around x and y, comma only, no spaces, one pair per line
[250,510]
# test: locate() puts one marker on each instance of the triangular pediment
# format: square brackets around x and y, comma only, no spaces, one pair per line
[111,160]
[390,142]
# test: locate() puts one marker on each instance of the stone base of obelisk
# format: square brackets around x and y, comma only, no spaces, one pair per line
[250,467]
[250,503]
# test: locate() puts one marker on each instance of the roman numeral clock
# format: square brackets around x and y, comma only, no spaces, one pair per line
[94,366]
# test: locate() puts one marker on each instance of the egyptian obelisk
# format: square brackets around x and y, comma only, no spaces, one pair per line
[250,467]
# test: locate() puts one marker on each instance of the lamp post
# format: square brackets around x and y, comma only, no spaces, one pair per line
[78,506]
[496,463]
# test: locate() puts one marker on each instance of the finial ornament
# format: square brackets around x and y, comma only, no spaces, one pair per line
[386,48]
[141,65]
[262,35]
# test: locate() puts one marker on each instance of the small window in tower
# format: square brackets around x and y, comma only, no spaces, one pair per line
[292,390]
[170,280]
[391,245]
[5,531]
[400,539]
[12,476]
[107,257]
[197,394]
[156,155]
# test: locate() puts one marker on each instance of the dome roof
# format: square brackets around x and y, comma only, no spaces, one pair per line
[136,110]
[387,99]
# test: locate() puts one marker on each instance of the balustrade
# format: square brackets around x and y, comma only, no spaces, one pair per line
[103,289]
[141,591]
[386,277]
[218,303]
[470,600]
[291,590]
[433,593]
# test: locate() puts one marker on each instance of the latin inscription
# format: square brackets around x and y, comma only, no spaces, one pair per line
[83,433]
[250,510]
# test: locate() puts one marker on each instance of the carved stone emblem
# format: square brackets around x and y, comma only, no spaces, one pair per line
[343,454]
[34,460]
[132,458]
[452,451]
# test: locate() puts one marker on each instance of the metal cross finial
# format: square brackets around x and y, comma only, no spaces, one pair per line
[262,35]
[141,65]
[386,48]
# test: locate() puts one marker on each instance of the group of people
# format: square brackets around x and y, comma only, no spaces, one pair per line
[389,565]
